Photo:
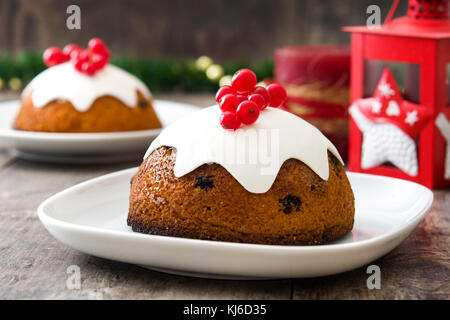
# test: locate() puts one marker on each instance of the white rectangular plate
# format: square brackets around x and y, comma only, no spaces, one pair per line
[91,217]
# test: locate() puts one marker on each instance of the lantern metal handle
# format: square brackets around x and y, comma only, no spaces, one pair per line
[392,11]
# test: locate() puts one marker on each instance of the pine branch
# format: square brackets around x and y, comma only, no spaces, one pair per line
[159,74]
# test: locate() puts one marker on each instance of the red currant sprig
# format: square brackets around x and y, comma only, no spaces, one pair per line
[242,102]
[53,56]
[87,61]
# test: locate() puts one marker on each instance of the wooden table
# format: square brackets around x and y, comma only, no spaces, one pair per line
[33,264]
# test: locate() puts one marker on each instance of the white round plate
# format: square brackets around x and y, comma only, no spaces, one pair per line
[84,147]
[91,217]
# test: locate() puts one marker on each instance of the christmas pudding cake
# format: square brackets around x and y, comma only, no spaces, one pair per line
[81,92]
[243,171]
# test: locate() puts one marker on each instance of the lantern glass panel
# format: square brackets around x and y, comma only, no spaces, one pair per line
[406,75]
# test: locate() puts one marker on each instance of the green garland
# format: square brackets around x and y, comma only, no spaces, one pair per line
[159,74]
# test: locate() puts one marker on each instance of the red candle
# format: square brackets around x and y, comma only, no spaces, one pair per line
[316,79]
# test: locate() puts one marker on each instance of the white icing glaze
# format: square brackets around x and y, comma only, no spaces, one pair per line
[275,137]
[66,83]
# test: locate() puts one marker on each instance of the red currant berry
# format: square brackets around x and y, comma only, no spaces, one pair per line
[83,55]
[88,68]
[72,50]
[78,65]
[258,99]
[265,94]
[98,60]
[89,62]
[105,54]
[277,95]
[97,45]
[229,120]
[223,91]
[53,56]
[229,102]
[242,97]
[243,81]
[247,112]
[83,62]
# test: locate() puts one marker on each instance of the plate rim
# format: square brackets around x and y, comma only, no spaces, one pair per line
[411,223]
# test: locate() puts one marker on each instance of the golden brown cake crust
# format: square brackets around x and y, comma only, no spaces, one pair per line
[299,209]
[107,114]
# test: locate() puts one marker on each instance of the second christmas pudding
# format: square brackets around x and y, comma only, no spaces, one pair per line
[81,92]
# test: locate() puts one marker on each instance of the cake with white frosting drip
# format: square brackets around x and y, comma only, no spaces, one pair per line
[53,84]
[264,178]
[267,144]
[81,92]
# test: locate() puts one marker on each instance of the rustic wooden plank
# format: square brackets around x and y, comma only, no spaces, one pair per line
[225,30]
[104,279]
[33,264]
[417,269]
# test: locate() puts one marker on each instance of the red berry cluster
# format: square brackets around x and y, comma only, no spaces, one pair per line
[87,61]
[242,102]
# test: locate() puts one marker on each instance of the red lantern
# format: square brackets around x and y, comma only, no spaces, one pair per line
[400,94]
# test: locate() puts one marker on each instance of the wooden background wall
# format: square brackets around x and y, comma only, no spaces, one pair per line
[225,30]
